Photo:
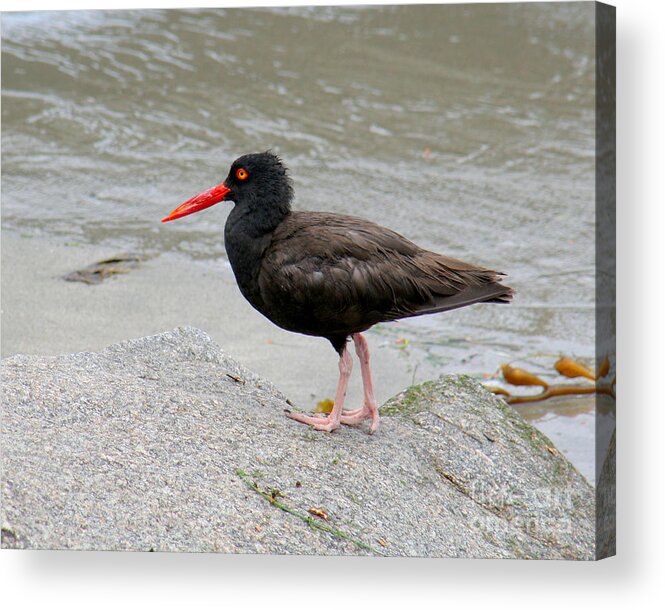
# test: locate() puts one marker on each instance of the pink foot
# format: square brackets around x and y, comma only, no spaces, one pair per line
[325,424]
[352,413]
[356,417]
[331,422]
[359,416]
[338,415]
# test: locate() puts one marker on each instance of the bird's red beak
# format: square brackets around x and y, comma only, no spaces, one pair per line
[200,202]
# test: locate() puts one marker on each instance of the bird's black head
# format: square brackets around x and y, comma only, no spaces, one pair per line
[258,183]
[260,180]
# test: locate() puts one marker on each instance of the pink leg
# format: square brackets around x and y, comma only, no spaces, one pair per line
[331,421]
[370,409]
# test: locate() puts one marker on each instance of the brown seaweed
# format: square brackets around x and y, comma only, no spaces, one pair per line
[101,270]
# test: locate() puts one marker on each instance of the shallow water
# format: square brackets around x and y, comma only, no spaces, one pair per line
[470,129]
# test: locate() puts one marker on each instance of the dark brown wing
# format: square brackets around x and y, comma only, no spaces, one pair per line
[334,274]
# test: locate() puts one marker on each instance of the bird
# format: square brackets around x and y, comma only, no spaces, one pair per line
[332,275]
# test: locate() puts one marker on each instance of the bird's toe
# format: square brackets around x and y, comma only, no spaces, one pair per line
[324,424]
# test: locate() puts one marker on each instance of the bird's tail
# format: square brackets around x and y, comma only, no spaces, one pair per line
[492,292]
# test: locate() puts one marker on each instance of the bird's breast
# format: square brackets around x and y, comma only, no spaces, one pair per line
[245,250]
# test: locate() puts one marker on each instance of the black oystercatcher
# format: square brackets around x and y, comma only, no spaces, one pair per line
[331,275]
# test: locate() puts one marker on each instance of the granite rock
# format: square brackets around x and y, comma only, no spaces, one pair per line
[165,443]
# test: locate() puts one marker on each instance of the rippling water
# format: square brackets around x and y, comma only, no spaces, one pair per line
[468,128]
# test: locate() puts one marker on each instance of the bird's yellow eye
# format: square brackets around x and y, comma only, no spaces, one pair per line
[241,174]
